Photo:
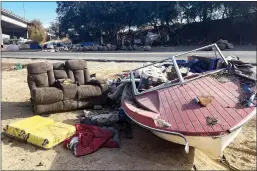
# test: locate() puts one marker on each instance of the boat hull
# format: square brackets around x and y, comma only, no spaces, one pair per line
[213,146]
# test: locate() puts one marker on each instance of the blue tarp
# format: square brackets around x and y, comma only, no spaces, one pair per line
[34,46]
[198,66]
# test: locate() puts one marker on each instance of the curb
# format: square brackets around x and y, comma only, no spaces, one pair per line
[92,60]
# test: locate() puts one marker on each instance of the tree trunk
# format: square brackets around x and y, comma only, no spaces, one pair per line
[205,14]
[129,25]
[168,25]
[223,15]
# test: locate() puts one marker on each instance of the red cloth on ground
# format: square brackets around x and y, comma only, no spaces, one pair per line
[91,138]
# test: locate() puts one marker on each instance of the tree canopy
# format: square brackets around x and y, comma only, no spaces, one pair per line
[94,19]
[54,28]
[36,31]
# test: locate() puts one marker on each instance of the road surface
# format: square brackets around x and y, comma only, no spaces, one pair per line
[247,56]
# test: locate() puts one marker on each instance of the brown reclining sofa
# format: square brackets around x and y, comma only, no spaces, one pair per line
[50,93]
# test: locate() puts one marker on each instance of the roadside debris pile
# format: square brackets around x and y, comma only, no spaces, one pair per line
[78,48]
[12,47]
[89,138]
[98,129]
[94,131]
[162,73]
[103,129]
[108,47]
[224,44]
[243,69]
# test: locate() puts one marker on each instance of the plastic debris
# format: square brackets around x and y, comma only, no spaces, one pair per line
[211,121]
[18,66]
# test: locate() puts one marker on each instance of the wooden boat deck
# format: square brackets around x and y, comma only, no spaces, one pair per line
[176,106]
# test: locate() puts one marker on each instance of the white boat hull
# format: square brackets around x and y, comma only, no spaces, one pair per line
[213,146]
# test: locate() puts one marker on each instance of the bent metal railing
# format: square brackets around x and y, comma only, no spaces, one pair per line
[181,79]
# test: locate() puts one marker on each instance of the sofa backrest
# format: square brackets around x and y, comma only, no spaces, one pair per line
[45,74]
[40,75]
[60,71]
[77,71]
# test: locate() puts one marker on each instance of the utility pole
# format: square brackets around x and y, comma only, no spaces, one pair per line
[23,9]
[24,19]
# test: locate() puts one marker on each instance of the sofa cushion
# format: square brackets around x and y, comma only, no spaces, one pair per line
[48,108]
[41,80]
[40,67]
[60,74]
[51,78]
[87,75]
[70,91]
[79,76]
[58,66]
[47,95]
[59,70]
[87,91]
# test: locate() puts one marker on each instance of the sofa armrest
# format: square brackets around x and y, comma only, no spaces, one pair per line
[98,82]
[31,83]
[46,95]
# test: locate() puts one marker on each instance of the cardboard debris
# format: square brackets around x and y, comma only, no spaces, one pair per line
[204,100]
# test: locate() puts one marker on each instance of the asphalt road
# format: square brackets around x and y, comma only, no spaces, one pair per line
[247,56]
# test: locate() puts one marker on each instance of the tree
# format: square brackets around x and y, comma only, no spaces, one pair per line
[92,20]
[36,31]
[237,9]
[54,28]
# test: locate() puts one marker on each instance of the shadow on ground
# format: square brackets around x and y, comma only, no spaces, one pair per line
[145,151]
[13,110]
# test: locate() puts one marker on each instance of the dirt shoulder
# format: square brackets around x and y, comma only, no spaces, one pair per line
[144,152]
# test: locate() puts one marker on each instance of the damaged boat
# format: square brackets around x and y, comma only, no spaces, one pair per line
[205,109]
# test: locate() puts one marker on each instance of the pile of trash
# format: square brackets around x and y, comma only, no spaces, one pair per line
[107,47]
[242,68]
[80,48]
[224,44]
[160,73]
[12,47]
[97,130]
[129,47]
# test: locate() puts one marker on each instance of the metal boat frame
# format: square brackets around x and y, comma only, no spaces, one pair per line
[181,79]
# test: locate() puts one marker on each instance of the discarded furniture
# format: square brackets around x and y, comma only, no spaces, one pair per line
[65,86]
